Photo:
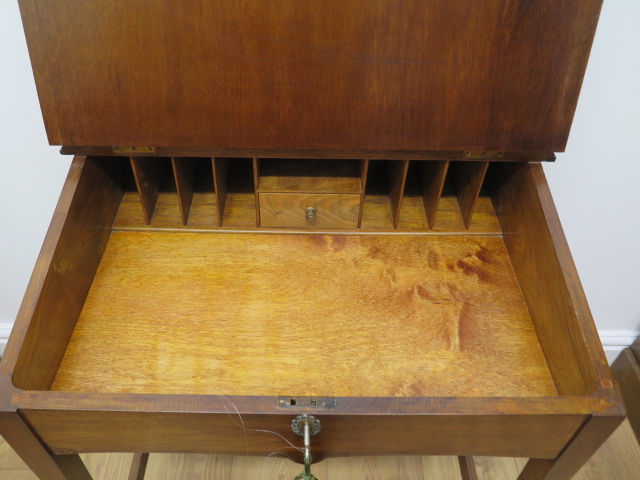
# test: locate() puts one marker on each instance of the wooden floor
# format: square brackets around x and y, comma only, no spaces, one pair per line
[617,459]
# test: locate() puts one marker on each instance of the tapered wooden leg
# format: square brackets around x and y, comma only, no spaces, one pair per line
[138,466]
[44,464]
[467,468]
[582,447]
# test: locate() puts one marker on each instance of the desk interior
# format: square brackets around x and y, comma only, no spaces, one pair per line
[305,314]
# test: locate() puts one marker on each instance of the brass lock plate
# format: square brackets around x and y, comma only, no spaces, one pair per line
[306,403]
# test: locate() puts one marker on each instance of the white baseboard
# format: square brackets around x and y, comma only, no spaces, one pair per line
[5,330]
[613,341]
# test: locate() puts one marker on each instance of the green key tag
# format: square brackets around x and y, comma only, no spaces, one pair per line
[306,473]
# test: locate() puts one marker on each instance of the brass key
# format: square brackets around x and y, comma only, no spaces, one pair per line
[306,423]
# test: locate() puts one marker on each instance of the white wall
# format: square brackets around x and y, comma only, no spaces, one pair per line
[31,172]
[596,184]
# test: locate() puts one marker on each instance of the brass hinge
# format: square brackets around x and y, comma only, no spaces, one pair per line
[482,154]
[129,149]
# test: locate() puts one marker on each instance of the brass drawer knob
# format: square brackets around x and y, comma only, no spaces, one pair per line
[310,214]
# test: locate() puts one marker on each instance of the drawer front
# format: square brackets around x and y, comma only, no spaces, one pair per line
[501,435]
[291,210]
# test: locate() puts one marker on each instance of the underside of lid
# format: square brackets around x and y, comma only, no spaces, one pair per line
[499,75]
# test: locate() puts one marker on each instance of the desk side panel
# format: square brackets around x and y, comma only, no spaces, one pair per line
[71,253]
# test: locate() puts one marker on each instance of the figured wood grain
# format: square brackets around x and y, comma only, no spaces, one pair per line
[530,243]
[397,178]
[184,174]
[332,75]
[467,180]
[452,303]
[289,210]
[433,175]
[220,180]
[310,176]
[79,233]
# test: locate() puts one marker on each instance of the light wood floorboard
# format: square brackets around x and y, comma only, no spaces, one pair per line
[617,459]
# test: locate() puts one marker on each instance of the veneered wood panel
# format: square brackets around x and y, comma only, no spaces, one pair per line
[396,315]
[388,75]
[74,431]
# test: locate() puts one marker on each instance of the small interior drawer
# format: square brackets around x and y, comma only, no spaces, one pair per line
[309,210]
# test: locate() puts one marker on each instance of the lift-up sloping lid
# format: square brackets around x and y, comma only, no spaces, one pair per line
[330,74]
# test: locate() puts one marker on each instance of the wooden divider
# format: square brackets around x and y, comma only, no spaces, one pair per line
[147,173]
[467,180]
[397,178]
[364,170]
[184,174]
[235,180]
[432,177]
[256,184]
[220,180]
